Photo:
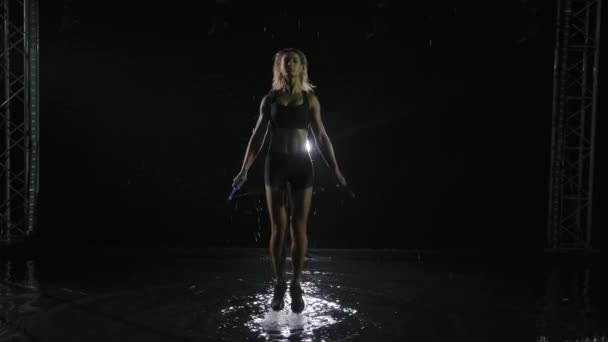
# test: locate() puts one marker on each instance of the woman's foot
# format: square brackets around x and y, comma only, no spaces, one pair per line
[296,293]
[277,303]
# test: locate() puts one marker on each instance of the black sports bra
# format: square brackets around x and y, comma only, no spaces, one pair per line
[297,116]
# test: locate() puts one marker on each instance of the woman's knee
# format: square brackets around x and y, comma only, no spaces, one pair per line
[278,228]
[278,218]
[298,227]
[299,239]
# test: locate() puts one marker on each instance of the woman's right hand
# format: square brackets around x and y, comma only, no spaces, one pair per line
[239,180]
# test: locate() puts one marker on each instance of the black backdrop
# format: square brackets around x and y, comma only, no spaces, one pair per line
[439,115]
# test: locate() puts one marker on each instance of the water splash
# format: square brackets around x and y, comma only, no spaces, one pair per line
[278,325]
[318,317]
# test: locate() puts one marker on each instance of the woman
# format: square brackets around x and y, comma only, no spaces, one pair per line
[287,111]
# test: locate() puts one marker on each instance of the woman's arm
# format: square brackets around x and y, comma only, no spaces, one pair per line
[258,136]
[320,136]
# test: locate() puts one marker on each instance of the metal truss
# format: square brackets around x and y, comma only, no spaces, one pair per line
[18,118]
[573,128]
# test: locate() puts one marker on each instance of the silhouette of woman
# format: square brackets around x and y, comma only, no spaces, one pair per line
[286,112]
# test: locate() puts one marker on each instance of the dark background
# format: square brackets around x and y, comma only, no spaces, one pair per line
[439,114]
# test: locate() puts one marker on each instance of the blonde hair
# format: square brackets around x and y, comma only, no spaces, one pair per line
[279,81]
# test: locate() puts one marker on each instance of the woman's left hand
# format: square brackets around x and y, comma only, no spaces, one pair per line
[339,177]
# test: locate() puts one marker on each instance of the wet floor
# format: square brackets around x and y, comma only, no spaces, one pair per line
[349,296]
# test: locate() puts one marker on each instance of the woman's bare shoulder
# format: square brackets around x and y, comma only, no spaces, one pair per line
[313,100]
[266,102]
[270,96]
[311,95]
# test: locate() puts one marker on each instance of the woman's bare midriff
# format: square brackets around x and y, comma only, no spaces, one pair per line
[288,140]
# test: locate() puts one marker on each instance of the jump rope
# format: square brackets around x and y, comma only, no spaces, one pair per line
[234,194]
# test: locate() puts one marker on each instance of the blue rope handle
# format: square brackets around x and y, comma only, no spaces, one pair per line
[348,190]
[233,193]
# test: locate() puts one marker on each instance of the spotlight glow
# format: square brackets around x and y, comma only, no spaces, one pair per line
[307,145]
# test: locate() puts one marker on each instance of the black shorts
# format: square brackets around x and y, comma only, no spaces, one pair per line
[281,168]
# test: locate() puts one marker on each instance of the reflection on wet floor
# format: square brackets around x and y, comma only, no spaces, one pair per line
[320,313]
[358,297]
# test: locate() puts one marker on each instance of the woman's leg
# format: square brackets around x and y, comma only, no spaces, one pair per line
[301,200]
[275,199]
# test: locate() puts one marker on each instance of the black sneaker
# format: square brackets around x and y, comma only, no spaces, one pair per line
[297,302]
[277,303]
